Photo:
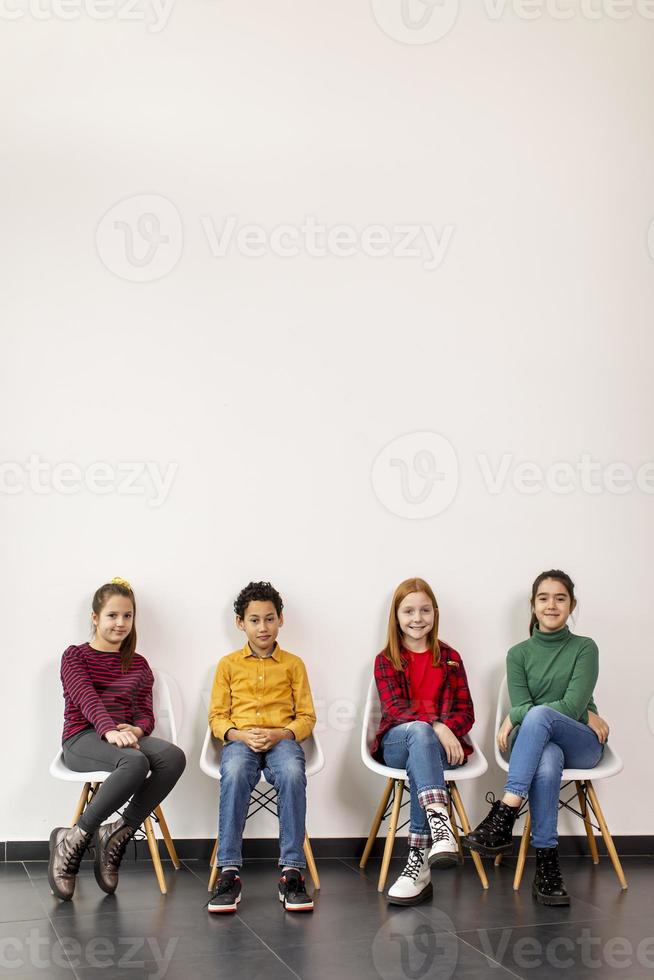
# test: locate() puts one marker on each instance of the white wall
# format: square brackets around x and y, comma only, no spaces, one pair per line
[274,382]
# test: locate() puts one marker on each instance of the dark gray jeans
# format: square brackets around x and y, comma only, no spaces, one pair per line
[129,768]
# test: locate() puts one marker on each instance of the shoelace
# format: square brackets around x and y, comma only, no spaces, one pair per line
[552,871]
[117,849]
[74,857]
[413,864]
[225,884]
[294,884]
[439,825]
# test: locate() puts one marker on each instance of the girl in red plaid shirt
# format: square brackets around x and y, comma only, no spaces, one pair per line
[426,710]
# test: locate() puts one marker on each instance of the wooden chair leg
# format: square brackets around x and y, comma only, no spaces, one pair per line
[522,853]
[168,841]
[608,840]
[81,803]
[390,837]
[311,864]
[212,878]
[376,823]
[583,805]
[465,826]
[498,860]
[154,854]
[212,860]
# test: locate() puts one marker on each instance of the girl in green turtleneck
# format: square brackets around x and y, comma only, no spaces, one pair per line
[551,678]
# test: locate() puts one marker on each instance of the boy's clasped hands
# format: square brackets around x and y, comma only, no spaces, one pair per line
[259,739]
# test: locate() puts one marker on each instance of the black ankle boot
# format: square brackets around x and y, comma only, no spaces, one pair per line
[494,835]
[548,887]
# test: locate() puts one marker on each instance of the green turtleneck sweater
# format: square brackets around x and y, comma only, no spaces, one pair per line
[556,669]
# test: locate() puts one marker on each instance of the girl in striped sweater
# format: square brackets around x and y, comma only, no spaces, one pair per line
[108,720]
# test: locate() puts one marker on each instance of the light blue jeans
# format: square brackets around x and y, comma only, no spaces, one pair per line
[284,768]
[546,743]
[416,747]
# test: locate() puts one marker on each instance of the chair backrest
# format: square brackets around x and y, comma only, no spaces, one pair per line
[503,704]
[371,718]
[503,708]
[162,705]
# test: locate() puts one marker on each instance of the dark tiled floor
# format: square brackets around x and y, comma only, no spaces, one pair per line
[463,932]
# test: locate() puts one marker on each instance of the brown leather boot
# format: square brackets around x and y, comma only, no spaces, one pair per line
[67,846]
[110,841]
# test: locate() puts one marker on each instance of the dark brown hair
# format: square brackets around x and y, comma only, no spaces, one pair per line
[100,599]
[394,641]
[559,576]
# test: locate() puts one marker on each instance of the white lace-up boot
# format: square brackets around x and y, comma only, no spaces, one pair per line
[414,884]
[444,851]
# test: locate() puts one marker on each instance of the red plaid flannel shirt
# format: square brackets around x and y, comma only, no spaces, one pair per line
[454,709]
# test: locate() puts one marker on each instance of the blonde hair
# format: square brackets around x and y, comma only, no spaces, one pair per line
[394,643]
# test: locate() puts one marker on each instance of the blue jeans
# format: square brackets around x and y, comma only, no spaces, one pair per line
[416,747]
[547,742]
[284,768]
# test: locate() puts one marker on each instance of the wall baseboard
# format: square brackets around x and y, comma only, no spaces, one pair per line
[199,849]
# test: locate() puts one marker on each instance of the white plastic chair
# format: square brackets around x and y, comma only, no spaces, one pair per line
[263,794]
[609,765]
[396,779]
[165,728]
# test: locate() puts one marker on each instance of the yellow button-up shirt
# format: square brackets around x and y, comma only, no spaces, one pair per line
[256,692]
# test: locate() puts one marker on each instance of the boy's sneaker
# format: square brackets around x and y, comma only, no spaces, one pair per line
[414,884]
[444,852]
[227,893]
[293,893]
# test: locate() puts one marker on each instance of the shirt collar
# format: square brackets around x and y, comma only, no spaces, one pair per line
[275,654]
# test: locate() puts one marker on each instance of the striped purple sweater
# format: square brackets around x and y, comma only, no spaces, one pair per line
[97,695]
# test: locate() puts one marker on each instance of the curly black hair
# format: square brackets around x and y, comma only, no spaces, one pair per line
[257,592]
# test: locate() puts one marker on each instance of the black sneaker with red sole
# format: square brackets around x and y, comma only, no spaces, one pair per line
[226,895]
[293,892]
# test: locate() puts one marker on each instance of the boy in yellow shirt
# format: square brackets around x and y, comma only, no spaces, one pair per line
[261,708]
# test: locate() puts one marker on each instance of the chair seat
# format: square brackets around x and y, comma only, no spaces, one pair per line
[59,770]
[212,750]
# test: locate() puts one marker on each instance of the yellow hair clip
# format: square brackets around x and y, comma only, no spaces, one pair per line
[121,581]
